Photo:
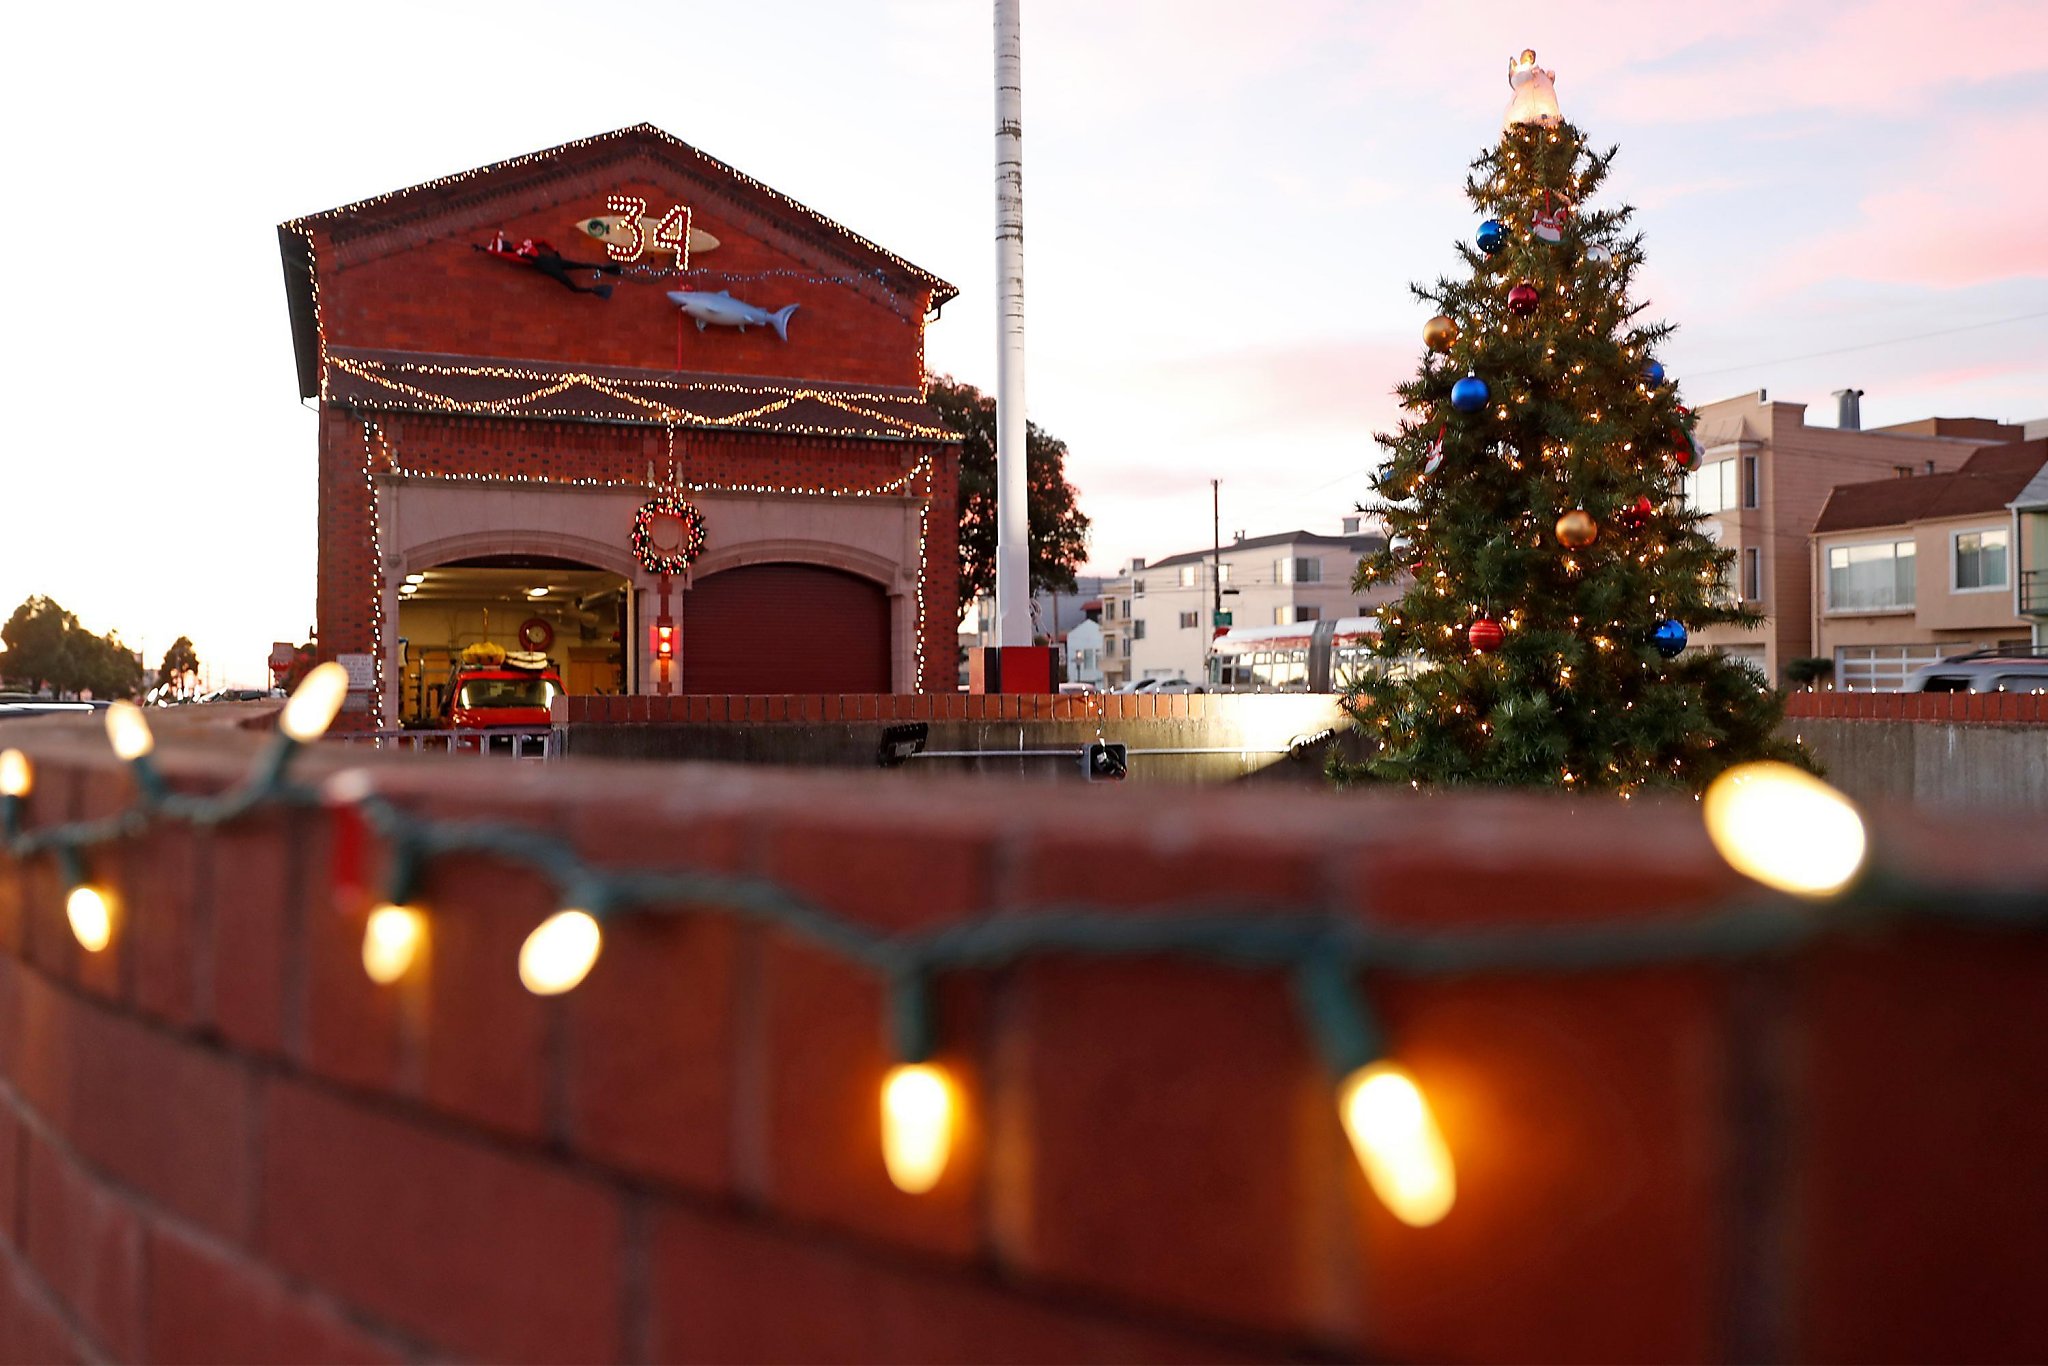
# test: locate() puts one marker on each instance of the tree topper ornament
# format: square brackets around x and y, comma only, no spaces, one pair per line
[1535,98]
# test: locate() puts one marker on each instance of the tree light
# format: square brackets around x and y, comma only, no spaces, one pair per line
[1398,1143]
[391,941]
[918,1114]
[17,775]
[314,703]
[559,953]
[128,731]
[1785,828]
[91,916]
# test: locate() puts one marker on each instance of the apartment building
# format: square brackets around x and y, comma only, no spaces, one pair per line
[1157,617]
[1766,475]
[1922,566]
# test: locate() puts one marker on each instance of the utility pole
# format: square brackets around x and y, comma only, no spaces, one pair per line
[1215,572]
[1013,524]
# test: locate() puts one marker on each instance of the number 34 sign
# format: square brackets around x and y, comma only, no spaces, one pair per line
[630,232]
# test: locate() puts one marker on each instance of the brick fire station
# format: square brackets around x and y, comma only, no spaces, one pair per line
[618,401]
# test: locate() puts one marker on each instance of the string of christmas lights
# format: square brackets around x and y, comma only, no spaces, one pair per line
[877,279]
[1775,824]
[551,384]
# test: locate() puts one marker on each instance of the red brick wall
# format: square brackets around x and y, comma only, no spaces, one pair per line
[218,1141]
[1988,708]
[568,451]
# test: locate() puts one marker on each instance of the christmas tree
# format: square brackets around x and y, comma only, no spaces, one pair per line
[1533,491]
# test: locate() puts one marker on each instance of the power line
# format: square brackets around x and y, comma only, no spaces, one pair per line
[1866,346]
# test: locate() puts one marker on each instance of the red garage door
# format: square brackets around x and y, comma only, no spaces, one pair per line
[785,628]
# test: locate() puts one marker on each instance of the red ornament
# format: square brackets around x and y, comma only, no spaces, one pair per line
[1486,635]
[1685,452]
[1522,300]
[1636,515]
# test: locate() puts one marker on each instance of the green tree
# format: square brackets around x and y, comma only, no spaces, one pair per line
[1576,422]
[40,637]
[1059,529]
[181,663]
[108,669]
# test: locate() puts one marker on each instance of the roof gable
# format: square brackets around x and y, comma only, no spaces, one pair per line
[1988,482]
[474,196]
[766,238]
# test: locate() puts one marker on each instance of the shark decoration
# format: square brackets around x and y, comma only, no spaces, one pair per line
[720,309]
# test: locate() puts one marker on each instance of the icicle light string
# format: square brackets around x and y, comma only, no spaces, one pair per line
[1775,824]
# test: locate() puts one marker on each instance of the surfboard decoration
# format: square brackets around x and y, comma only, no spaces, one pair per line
[615,229]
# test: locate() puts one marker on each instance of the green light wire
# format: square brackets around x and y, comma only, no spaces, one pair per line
[1324,953]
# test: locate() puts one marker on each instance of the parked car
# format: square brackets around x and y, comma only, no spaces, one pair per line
[46,706]
[1177,685]
[2020,669]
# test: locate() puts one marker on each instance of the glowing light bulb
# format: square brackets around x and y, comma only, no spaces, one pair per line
[128,731]
[315,703]
[91,917]
[391,941]
[17,775]
[918,1114]
[1398,1143]
[559,953]
[1785,828]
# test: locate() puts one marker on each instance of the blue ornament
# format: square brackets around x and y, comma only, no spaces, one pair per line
[1492,236]
[1468,395]
[1654,373]
[1669,638]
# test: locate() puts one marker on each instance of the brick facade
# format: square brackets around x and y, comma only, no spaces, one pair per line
[398,277]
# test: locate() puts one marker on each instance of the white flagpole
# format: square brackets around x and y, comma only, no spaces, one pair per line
[1013,524]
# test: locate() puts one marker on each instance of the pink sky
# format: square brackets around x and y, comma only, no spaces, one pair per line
[1224,206]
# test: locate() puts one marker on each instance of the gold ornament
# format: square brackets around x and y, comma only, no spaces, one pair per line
[1439,333]
[1576,529]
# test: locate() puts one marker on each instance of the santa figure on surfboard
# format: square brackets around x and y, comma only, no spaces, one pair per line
[543,257]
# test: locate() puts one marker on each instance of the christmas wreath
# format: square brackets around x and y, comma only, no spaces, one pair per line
[652,557]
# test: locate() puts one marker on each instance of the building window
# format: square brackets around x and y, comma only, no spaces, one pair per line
[1870,578]
[1351,525]
[1190,620]
[1750,497]
[1980,560]
[1711,488]
[1298,569]
[1127,647]
[1137,588]
[1290,613]
[1190,575]
[1137,630]
[1752,574]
